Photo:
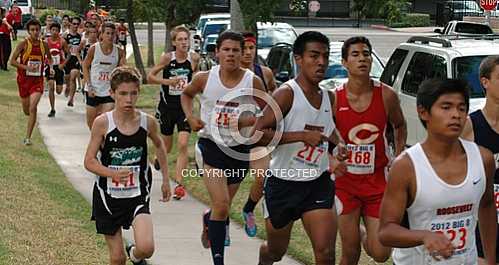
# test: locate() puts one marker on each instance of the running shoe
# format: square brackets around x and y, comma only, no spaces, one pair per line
[128,248]
[27,141]
[51,114]
[179,192]
[70,104]
[249,223]
[205,240]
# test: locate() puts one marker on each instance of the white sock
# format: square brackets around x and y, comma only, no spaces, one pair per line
[132,256]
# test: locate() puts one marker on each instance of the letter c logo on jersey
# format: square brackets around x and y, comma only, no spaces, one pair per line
[364,138]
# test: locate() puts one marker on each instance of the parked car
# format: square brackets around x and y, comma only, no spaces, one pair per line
[463,27]
[209,17]
[422,58]
[270,34]
[214,27]
[284,67]
[28,11]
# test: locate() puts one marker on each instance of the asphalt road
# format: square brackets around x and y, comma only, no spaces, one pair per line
[384,42]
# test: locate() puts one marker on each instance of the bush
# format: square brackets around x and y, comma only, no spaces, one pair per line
[412,20]
[54,12]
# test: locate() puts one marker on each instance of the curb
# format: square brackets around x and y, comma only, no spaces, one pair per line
[381,27]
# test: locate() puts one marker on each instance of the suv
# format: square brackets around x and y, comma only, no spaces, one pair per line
[467,28]
[422,58]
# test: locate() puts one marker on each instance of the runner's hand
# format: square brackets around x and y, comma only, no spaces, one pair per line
[342,152]
[314,138]
[195,123]
[61,67]
[438,245]
[173,81]
[166,191]
[122,176]
[51,71]
[339,168]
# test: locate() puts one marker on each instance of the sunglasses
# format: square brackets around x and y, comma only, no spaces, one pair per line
[76,24]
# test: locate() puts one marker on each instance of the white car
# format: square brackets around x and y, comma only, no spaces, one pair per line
[270,34]
[203,19]
[422,58]
[214,27]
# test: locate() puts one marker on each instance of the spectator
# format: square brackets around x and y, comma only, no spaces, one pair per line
[5,45]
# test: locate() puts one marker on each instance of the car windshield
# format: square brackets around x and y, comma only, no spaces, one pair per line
[467,68]
[22,2]
[214,29]
[337,71]
[202,22]
[473,28]
[270,36]
[469,5]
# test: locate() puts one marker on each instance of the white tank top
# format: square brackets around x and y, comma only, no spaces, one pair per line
[451,209]
[101,68]
[220,104]
[298,161]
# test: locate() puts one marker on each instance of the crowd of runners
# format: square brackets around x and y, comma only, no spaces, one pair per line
[315,155]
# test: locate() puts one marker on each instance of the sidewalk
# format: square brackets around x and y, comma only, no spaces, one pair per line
[177,224]
[406,30]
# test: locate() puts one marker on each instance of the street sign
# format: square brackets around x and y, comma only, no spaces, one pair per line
[314,6]
[488,5]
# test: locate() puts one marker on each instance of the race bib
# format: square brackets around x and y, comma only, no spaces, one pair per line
[458,231]
[311,155]
[225,114]
[74,49]
[496,196]
[177,90]
[38,68]
[103,76]
[56,59]
[360,159]
[128,190]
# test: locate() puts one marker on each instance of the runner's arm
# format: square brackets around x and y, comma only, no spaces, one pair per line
[152,125]
[394,204]
[250,120]
[97,134]
[487,213]
[152,78]
[195,62]
[87,64]
[65,48]
[49,56]
[17,51]
[122,57]
[468,132]
[269,77]
[195,87]
[396,119]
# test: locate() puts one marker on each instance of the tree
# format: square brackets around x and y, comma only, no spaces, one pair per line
[257,11]
[135,44]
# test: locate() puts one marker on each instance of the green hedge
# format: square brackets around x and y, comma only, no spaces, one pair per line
[54,12]
[412,20]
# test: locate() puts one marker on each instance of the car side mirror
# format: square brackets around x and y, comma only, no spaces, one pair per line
[439,31]
[282,76]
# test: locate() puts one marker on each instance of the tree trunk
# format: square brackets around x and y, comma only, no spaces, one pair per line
[236,16]
[150,43]
[135,44]
[170,23]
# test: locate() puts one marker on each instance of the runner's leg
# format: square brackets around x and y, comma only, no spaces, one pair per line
[143,236]
[374,248]
[51,84]
[320,226]
[33,109]
[117,254]
[182,158]
[276,245]
[348,225]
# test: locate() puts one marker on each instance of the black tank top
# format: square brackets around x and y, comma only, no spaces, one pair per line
[170,96]
[259,73]
[486,137]
[73,42]
[121,150]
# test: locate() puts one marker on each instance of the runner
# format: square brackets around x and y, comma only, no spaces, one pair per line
[178,67]
[257,165]
[57,47]
[483,128]
[46,30]
[14,17]
[122,34]
[72,64]
[222,173]
[363,109]
[102,59]
[122,190]
[66,21]
[443,186]
[28,58]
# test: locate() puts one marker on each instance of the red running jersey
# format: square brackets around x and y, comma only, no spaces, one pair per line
[55,48]
[363,132]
